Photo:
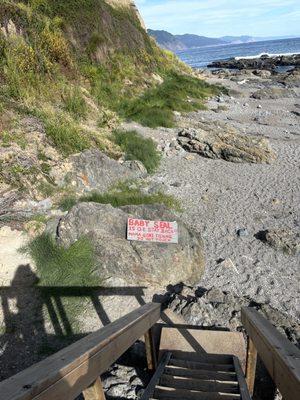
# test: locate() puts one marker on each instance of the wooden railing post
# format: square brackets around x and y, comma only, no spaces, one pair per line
[251,366]
[150,350]
[95,391]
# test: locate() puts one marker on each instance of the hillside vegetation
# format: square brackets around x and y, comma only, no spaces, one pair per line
[72,70]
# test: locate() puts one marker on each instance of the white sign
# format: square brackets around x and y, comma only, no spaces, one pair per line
[152,231]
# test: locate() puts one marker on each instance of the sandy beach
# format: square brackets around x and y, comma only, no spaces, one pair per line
[220,198]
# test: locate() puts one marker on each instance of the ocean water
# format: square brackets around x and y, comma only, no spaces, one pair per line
[201,57]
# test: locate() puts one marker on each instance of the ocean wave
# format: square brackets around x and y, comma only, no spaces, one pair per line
[265,54]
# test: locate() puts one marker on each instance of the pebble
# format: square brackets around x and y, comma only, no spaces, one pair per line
[259,106]
[242,232]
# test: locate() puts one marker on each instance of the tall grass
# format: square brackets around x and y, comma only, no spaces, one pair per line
[65,267]
[59,266]
[66,136]
[123,195]
[136,147]
[156,106]
[130,197]
[75,104]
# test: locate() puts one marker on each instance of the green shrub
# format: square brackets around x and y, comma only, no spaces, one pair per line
[136,147]
[75,104]
[156,106]
[66,136]
[122,195]
[59,266]
[65,267]
[67,203]
[128,196]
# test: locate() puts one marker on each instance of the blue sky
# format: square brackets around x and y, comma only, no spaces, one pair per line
[216,18]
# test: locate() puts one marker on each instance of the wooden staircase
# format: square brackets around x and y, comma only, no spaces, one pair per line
[193,377]
[188,369]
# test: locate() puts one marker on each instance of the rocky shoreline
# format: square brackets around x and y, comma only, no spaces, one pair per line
[246,211]
[264,62]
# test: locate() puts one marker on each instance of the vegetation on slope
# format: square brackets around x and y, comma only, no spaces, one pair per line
[138,148]
[79,66]
[58,266]
[178,92]
[122,195]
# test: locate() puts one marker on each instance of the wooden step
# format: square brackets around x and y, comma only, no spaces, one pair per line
[202,366]
[201,374]
[182,394]
[201,385]
[191,343]
[222,359]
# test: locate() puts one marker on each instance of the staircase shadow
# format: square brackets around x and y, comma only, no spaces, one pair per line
[36,323]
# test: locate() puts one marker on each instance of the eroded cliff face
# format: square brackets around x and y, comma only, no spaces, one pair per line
[97,28]
[128,3]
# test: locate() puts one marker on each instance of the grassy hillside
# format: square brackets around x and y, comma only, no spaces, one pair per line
[76,68]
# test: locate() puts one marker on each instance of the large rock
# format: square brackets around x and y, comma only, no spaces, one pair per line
[273,93]
[284,239]
[93,170]
[137,263]
[227,145]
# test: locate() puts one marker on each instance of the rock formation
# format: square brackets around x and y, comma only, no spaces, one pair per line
[264,62]
[93,170]
[137,263]
[228,145]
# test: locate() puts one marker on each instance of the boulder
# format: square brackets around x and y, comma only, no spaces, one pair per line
[284,239]
[262,73]
[138,263]
[93,170]
[227,145]
[274,93]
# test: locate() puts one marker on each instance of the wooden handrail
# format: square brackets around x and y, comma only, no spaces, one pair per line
[69,372]
[280,357]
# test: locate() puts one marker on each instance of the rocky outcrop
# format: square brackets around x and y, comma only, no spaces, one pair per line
[227,145]
[93,170]
[264,62]
[215,308]
[283,239]
[273,93]
[137,263]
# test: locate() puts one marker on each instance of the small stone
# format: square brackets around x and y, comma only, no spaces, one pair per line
[259,106]
[215,295]
[189,158]
[276,202]
[242,232]
[188,292]
[176,184]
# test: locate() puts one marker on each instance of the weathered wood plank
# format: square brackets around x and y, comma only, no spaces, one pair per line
[279,355]
[243,388]
[201,374]
[251,366]
[203,357]
[180,394]
[201,385]
[203,366]
[150,350]
[151,387]
[67,373]
[95,391]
